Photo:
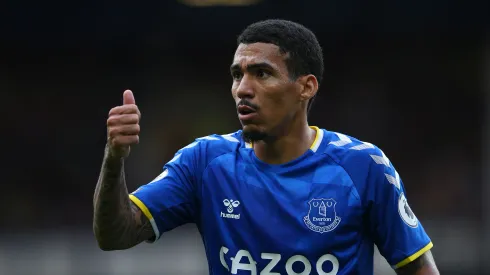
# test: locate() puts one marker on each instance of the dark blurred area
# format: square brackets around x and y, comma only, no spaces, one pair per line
[409,77]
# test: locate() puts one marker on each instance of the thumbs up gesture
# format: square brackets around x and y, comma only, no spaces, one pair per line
[123,126]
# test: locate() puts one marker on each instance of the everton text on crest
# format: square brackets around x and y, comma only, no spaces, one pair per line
[322,216]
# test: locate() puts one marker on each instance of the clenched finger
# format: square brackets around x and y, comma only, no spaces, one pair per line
[124,130]
[123,119]
[125,109]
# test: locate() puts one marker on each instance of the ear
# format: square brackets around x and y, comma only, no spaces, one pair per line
[309,85]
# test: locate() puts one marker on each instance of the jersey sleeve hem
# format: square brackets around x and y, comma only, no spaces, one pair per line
[414,256]
[148,215]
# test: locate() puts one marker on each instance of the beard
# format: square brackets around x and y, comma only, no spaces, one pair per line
[254,135]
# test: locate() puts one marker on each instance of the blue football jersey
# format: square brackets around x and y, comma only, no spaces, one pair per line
[319,214]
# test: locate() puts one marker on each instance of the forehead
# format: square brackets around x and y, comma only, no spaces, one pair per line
[247,54]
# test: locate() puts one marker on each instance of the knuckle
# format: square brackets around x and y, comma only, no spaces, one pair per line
[136,109]
[136,118]
[134,139]
[111,121]
[137,112]
[128,130]
[113,132]
[120,141]
[128,119]
[114,110]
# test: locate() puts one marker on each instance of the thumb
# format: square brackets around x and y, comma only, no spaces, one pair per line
[128,97]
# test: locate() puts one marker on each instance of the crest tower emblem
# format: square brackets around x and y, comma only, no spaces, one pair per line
[322,216]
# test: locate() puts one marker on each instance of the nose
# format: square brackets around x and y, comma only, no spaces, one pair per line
[245,88]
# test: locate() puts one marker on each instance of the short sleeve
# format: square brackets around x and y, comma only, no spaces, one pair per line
[397,232]
[169,200]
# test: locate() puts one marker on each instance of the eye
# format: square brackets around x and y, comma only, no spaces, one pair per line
[262,74]
[236,75]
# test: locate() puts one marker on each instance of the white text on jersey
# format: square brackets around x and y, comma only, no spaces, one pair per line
[249,264]
[230,207]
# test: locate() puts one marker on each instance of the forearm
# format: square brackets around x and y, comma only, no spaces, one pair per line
[113,216]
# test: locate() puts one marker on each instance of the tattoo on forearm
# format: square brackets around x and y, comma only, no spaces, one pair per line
[118,223]
[423,265]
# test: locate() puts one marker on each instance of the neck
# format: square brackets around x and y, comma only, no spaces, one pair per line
[291,144]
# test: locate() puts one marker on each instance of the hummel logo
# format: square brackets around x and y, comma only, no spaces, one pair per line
[231,204]
[230,207]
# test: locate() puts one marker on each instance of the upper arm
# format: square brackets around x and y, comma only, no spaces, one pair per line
[423,265]
[397,232]
[169,200]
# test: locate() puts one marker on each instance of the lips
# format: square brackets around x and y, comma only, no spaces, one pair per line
[245,110]
[246,113]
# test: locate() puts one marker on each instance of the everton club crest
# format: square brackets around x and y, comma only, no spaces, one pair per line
[322,216]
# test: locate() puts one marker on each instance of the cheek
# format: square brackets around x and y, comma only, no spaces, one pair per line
[284,104]
[277,100]
[275,105]
[233,91]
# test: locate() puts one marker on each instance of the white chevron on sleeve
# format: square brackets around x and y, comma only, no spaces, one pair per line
[383,159]
[193,144]
[343,140]
[380,160]
[230,138]
[159,177]
[363,146]
[394,180]
[209,138]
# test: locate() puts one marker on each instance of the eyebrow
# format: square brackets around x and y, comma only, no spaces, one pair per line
[251,67]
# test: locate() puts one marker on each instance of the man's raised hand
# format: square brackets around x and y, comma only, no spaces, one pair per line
[123,126]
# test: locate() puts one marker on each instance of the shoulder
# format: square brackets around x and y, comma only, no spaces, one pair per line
[348,150]
[212,146]
[360,159]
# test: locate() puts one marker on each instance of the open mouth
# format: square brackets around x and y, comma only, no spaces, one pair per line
[245,110]
[246,113]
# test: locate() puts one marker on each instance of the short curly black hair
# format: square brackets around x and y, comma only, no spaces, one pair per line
[305,52]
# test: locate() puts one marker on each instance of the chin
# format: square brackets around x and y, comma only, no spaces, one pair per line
[253,134]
